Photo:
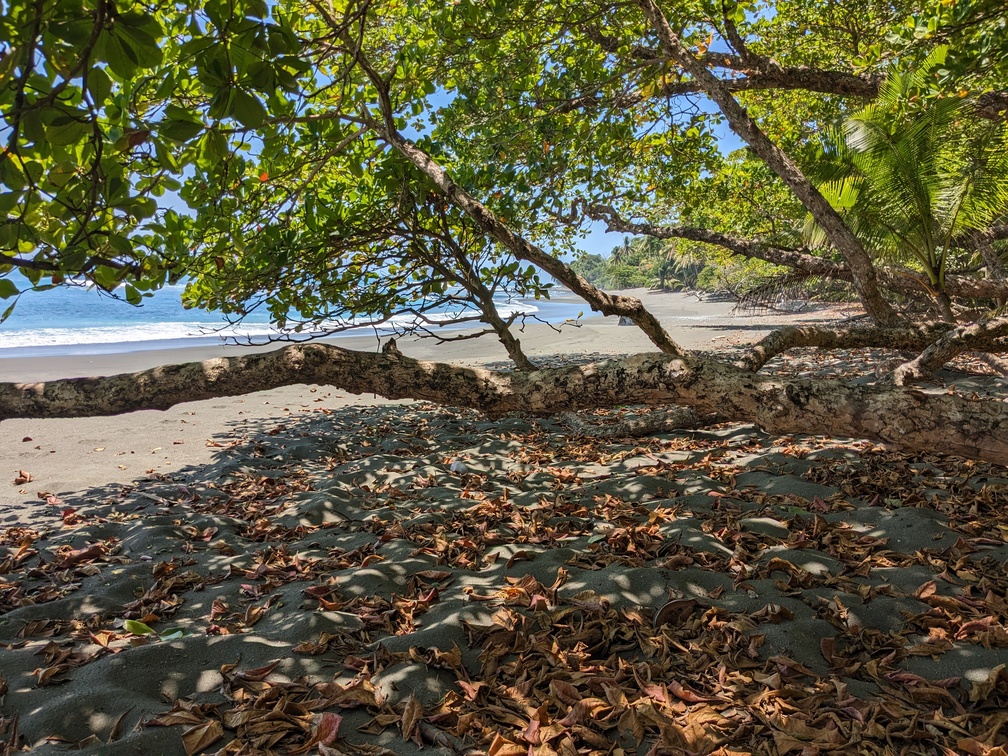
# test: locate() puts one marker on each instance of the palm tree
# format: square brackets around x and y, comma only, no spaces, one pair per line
[910,183]
[621,253]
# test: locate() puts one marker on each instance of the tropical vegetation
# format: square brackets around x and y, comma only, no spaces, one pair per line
[327,161]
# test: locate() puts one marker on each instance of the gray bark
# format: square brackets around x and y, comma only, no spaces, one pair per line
[906,419]
[906,338]
[954,342]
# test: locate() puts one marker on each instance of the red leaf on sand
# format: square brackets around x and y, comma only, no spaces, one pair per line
[327,728]
[471,689]
[689,696]
[218,609]
[22,478]
[86,554]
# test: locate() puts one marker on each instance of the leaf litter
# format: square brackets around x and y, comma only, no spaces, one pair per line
[714,592]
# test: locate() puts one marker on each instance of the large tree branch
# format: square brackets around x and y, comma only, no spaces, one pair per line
[495,228]
[904,338]
[906,419]
[753,73]
[799,78]
[838,233]
[981,335]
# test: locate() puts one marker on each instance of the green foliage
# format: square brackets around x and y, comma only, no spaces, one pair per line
[642,262]
[240,144]
[910,180]
[106,107]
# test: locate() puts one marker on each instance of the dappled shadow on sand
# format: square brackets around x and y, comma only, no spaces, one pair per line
[394,577]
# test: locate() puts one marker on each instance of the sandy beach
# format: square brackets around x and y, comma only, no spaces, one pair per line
[305,571]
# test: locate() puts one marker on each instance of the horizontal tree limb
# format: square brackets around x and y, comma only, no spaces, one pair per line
[953,342]
[906,419]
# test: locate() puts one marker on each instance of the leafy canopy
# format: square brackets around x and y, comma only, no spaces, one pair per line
[245,145]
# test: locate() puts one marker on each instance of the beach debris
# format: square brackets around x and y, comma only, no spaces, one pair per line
[22,478]
[458,467]
[137,628]
[200,737]
[757,650]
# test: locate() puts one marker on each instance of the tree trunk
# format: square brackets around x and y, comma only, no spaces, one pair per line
[944,305]
[906,419]
[840,236]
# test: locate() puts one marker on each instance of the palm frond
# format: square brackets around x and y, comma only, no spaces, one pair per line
[791,291]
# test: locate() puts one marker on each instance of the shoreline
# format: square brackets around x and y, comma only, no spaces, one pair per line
[694,323]
[171,328]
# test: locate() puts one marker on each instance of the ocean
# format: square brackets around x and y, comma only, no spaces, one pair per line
[76,321]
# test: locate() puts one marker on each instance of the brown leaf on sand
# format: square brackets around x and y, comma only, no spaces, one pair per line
[85,554]
[197,739]
[117,726]
[675,612]
[411,717]
[182,713]
[48,675]
[360,693]
[519,556]
[974,747]
[259,673]
[435,575]
[502,747]
[827,647]
[981,691]
[22,478]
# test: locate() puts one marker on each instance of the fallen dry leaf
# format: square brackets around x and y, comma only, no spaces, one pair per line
[200,737]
